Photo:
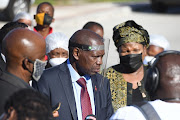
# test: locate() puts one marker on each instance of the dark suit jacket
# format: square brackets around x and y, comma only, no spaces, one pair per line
[56,83]
[8,85]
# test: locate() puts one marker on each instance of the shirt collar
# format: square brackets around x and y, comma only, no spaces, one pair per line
[50,31]
[74,75]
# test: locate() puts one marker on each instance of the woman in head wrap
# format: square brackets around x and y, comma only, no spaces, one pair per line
[126,78]
[56,48]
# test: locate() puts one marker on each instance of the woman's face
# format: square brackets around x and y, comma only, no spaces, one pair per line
[132,48]
[58,53]
[154,50]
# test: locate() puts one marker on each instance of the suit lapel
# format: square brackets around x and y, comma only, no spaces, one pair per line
[68,88]
[95,90]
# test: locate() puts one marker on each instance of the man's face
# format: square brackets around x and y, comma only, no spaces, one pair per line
[44,8]
[90,61]
[37,52]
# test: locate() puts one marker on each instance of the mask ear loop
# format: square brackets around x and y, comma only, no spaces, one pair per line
[24,66]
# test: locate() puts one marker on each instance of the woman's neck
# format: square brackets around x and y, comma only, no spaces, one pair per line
[134,77]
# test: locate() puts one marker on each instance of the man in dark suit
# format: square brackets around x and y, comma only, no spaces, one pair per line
[62,83]
[25,52]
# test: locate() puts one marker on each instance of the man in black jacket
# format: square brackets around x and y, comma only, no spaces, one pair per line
[25,54]
[3,32]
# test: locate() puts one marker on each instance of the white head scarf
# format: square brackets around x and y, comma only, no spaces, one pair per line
[160,41]
[56,40]
[22,15]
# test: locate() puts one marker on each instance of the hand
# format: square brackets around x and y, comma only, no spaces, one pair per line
[55,114]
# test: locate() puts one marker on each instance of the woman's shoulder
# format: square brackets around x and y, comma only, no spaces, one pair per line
[114,67]
[114,73]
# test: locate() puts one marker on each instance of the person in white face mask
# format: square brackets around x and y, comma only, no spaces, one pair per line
[158,44]
[56,48]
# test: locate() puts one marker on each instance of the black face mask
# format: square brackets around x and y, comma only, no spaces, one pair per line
[131,62]
[47,19]
[43,19]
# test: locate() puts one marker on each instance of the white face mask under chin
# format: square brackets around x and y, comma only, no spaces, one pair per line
[148,59]
[57,61]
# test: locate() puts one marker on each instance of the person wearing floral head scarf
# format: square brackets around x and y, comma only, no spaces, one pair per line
[126,78]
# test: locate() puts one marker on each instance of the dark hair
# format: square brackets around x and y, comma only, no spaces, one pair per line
[8,27]
[90,24]
[31,104]
[47,3]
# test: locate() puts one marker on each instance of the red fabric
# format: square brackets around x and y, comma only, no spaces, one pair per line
[50,31]
[85,99]
[46,57]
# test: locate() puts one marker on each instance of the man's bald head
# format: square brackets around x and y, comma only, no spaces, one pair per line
[86,51]
[95,27]
[23,43]
[169,75]
[86,37]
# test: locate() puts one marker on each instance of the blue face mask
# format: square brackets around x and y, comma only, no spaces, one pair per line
[39,67]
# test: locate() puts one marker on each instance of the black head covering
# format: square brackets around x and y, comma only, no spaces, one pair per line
[130,31]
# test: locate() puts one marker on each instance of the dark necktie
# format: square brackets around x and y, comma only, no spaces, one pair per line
[85,99]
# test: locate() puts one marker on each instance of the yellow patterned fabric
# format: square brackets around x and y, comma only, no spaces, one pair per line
[131,34]
[121,90]
[124,33]
[118,88]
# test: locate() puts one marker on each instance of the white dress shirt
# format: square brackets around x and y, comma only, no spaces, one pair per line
[77,90]
[165,110]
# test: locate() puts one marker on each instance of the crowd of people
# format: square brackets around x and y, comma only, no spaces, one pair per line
[46,75]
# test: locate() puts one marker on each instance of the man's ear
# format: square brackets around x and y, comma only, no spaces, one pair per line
[27,65]
[76,53]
